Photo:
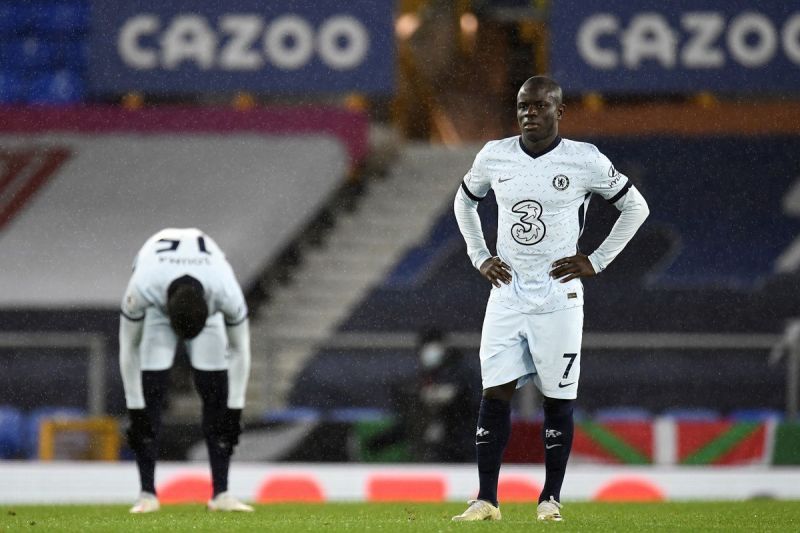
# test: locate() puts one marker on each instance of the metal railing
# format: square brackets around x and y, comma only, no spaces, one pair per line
[756,342]
[789,345]
[95,349]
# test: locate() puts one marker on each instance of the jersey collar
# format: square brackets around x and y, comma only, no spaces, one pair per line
[547,150]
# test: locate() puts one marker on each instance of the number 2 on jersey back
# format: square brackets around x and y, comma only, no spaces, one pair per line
[530,229]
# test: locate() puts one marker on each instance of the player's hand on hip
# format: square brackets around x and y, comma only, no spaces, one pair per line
[496,271]
[569,268]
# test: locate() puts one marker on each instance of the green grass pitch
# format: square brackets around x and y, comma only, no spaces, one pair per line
[756,515]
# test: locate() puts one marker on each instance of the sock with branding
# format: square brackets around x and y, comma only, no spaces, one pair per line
[494,428]
[557,435]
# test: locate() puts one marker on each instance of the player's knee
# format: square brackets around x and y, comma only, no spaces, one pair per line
[154,387]
[501,392]
[212,385]
[556,407]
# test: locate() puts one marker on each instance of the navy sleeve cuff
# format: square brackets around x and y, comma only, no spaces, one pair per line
[620,194]
[469,193]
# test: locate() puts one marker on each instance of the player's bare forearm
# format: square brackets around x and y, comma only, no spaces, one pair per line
[574,266]
[496,271]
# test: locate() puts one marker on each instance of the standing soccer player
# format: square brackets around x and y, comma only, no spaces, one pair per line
[183,290]
[534,318]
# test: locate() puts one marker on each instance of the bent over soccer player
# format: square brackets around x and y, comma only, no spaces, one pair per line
[534,318]
[183,290]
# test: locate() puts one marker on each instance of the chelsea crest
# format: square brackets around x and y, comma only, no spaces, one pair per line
[560,182]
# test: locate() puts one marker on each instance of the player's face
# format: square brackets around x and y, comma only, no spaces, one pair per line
[538,113]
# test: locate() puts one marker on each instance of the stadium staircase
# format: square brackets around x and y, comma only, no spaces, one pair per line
[393,215]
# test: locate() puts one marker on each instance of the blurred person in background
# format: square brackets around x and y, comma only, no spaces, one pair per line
[436,410]
[183,290]
[533,324]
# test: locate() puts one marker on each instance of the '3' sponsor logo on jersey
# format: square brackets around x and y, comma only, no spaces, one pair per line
[530,229]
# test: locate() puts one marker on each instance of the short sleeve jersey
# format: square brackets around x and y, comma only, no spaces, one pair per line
[175,252]
[542,202]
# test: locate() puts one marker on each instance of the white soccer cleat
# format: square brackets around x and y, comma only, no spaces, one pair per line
[225,501]
[478,510]
[549,510]
[147,503]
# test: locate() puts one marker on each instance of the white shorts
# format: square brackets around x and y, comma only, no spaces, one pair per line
[545,347]
[207,351]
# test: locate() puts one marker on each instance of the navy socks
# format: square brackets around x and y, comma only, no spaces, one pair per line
[494,428]
[557,435]
[212,385]
[146,425]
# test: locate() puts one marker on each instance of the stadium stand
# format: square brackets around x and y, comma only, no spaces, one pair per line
[334,335]
[685,272]
[95,188]
[394,213]
[95,178]
[11,429]
[708,230]
[43,51]
[756,415]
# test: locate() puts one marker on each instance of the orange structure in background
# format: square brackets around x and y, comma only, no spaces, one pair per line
[723,118]
[103,433]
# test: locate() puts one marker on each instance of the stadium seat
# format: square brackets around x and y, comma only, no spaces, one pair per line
[756,415]
[14,18]
[293,414]
[692,414]
[11,424]
[622,413]
[29,54]
[70,17]
[357,414]
[62,87]
[73,54]
[30,441]
[12,88]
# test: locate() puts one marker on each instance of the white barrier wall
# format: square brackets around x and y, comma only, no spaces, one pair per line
[75,482]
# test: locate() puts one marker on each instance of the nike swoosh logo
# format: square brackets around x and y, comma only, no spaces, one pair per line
[501,180]
[562,385]
[549,446]
[486,442]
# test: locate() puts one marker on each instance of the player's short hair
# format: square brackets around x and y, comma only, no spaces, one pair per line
[186,307]
[549,84]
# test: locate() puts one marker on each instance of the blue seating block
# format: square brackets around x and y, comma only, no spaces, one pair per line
[70,17]
[293,414]
[357,414]
[756,415]
[28,54]
[15,18]
[12,88]
[72,54]
[62,87]
[11,430]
